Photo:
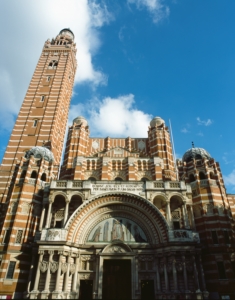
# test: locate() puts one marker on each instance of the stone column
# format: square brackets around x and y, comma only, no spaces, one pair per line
[185,215]
[192,217]
[157,275]
[185,274]
[202,273]
[66,280]
[49,214]
[42,217]
[75,276]
[47,281]
[195,273]
[66,211]
[57,286]
[168,213]
[165,274]
[36,282]
[174,272]
[31,272]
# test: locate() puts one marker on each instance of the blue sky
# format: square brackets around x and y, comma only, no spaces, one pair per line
[137,58]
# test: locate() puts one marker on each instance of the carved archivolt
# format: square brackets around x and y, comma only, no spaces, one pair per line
[137,208]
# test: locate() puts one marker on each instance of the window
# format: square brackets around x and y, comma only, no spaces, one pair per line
[221,270]
[191,178]
[34,174]
[35,122]
[176,225]
[214,237]
[226,237]
[118,179]
[44,177]
[11,269]
[7,236]
[53,64]
[202,175]
[48,78]
[42,98]
[19,236]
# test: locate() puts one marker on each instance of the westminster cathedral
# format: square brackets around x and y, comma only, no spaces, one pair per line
[120,218]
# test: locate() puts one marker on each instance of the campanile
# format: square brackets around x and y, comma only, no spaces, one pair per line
[44,112]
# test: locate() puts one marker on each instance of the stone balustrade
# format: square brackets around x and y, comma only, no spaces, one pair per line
[181,235]
[54,234]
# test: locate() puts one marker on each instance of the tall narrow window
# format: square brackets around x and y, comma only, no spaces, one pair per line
[19,236]
[42,98]
[11,269]
[7,236]
[35,122]
[48,78]
[221,270]
[214,237]
[226,237]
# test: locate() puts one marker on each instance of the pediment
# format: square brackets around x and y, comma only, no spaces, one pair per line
[117,248]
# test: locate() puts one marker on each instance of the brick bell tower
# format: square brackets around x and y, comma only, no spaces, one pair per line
[44,112]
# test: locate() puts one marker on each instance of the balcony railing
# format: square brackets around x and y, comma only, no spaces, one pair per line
[181,235]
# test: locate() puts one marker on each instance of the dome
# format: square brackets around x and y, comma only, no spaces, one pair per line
[157,121]
[80,120]
[68,31]
[40,152]
[195,153]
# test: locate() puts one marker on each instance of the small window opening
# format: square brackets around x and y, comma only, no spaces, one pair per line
[42,98]
[176,225]
[191,178]
[35,122]
[118,179]
[58,224]
[48,78]
[226,237]
[44,177]
[202,175]
[11,269]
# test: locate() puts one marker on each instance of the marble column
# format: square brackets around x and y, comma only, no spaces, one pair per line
[195,274]
[66,280]
[57,286]
[49,214]
[174,272]
[75,276]
[31,273]
[168,212]
[36,282]
[47,281]
[165,274]
[185,273]
[42,217]
[192,217]
[66,211]
[157,275]
[185,215]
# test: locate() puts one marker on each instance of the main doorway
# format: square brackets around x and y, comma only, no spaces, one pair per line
[117,279]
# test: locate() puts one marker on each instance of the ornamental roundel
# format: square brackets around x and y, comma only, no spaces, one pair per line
[117,217]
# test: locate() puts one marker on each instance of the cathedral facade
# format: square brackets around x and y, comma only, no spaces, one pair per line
[120,219]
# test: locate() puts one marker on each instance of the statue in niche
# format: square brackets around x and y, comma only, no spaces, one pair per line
[96,235]
[117,232]
[137,235]
[106,232]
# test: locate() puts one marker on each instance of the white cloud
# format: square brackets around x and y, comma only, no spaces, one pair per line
[156,8]
[29,24]
[113,116]
[200,133]
[230,179]
[207,122]
[184,130]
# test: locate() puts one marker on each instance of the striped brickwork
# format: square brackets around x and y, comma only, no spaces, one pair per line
[44,112]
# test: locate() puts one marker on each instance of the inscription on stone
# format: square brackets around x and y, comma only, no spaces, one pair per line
[118,187]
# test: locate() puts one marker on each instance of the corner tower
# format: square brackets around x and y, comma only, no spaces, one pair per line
[43,115]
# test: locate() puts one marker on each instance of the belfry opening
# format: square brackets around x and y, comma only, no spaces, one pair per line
[120,219]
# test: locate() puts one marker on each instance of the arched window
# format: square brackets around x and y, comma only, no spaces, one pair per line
[202,175]
[92,179]
[144,179]
[53,64]
[34,174]
[118,179]
[191,178]
[44,177]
